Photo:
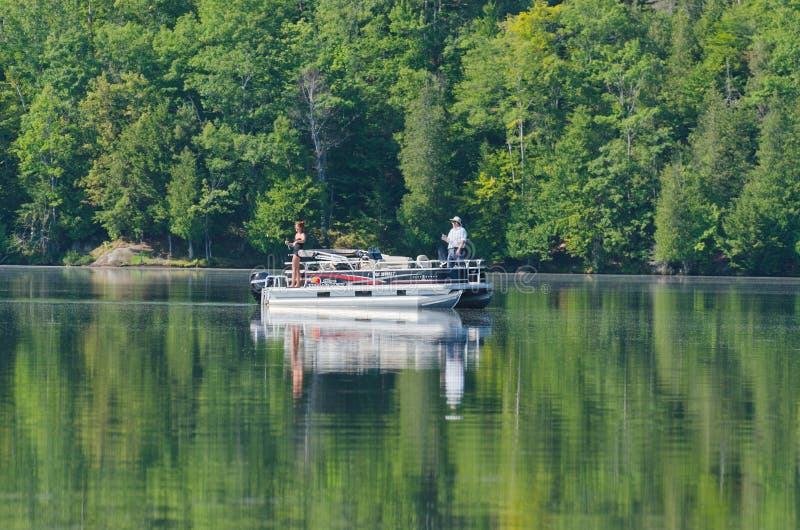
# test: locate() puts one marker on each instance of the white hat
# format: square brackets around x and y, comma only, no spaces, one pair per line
[456,219]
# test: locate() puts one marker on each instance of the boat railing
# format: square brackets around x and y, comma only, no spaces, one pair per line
[469,270]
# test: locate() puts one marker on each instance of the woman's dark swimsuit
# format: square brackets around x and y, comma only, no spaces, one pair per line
[296,248]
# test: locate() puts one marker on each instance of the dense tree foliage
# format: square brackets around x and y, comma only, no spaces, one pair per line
[596,135]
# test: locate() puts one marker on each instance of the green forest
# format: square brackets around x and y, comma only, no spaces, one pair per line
[584,135]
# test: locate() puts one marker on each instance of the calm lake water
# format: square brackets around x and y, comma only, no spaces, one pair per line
[166,399]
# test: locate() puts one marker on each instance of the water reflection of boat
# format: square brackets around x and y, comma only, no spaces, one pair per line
[324,342]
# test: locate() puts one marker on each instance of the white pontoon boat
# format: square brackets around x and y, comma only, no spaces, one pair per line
[367,279]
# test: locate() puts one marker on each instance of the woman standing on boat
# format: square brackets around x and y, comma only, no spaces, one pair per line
[297,246]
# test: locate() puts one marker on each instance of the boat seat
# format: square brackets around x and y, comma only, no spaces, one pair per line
[394,262]
[423,262]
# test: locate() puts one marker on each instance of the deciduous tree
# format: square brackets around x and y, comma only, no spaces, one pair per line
[47,150]
[425,162]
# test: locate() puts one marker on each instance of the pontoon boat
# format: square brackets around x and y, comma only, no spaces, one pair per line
[366,278]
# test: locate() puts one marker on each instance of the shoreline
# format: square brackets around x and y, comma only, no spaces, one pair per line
[573,276]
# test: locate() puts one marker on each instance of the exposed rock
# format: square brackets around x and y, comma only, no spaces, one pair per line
[118,254]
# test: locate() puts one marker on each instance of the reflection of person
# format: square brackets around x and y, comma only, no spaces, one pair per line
[456,240]
[454,375]
[297,246]
[297,362]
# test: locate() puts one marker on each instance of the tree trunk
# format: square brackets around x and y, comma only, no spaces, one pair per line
[319,112]
[208,241]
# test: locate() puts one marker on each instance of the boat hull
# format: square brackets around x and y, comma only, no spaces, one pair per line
[473,296]
[374,297]
[476,297]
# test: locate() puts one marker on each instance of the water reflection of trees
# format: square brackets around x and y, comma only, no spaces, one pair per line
[632,405]
[674,401]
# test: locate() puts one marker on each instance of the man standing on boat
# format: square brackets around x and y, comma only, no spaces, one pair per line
[456,241]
